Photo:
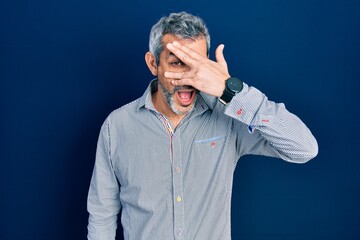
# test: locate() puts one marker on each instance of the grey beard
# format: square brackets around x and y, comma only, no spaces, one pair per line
[169,97]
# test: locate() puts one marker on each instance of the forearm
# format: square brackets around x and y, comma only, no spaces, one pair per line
[284,133]
[103,206]
[103,198]
[102,229]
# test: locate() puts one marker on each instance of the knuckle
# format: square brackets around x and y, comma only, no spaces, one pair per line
[198,74]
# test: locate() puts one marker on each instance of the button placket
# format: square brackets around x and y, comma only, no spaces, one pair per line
[178,188]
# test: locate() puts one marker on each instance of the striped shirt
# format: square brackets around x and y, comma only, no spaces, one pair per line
[176,183]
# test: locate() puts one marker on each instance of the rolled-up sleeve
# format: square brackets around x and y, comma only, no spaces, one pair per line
[103,202]
[272,129]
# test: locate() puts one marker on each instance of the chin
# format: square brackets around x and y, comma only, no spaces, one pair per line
[182,110]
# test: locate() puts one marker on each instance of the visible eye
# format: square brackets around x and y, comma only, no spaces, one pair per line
[177,63]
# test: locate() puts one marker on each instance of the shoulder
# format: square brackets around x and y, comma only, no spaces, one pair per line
[123,113]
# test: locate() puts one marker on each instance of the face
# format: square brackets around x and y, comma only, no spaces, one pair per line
[180,99]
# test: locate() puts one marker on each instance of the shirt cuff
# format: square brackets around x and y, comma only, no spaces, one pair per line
[245,105]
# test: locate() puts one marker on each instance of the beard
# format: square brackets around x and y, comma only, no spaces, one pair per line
[169,97]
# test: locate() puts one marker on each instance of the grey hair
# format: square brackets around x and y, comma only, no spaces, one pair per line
[183,25]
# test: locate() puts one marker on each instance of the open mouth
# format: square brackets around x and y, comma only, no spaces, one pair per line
[185,97]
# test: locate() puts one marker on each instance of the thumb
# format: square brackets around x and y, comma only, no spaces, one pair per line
[219,55]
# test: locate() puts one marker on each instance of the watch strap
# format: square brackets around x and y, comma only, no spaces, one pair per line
[227,96]
[232,87]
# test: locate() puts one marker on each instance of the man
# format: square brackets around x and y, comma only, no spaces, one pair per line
[167,159]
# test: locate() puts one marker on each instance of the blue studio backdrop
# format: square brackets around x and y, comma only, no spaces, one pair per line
[65,65]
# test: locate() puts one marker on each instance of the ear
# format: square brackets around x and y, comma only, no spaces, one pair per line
[151,63]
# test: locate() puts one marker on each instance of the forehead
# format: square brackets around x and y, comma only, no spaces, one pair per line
[198,44]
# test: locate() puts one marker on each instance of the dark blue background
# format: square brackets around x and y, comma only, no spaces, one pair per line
[65,65]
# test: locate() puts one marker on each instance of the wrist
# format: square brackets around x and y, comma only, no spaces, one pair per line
[221,89]
[233,86]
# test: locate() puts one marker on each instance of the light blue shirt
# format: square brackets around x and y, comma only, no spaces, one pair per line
[176,183]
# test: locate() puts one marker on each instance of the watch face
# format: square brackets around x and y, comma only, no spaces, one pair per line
[234,84]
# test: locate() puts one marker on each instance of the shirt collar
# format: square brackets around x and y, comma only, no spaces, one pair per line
[203,102]
[146,99]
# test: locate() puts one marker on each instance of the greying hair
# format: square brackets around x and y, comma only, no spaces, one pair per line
[182,25]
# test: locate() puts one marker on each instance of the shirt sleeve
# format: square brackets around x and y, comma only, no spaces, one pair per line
[103,202]
[272,129]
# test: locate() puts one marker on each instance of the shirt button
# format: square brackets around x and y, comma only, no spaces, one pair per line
[178,199]
[179,231]
[178,170]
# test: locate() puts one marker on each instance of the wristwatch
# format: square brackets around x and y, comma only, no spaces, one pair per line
[232,86]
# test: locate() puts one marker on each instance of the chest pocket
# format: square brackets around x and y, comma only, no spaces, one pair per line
[212,141]
[205,161]
[209,148]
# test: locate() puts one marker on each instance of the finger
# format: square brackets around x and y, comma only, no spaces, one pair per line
[182,82]
[219,54]
[189,51]
[185,58]
[177,75]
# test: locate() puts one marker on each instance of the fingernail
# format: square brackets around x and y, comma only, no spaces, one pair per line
[175,43]
[169,45]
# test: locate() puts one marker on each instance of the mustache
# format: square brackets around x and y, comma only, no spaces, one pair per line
[185,87]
